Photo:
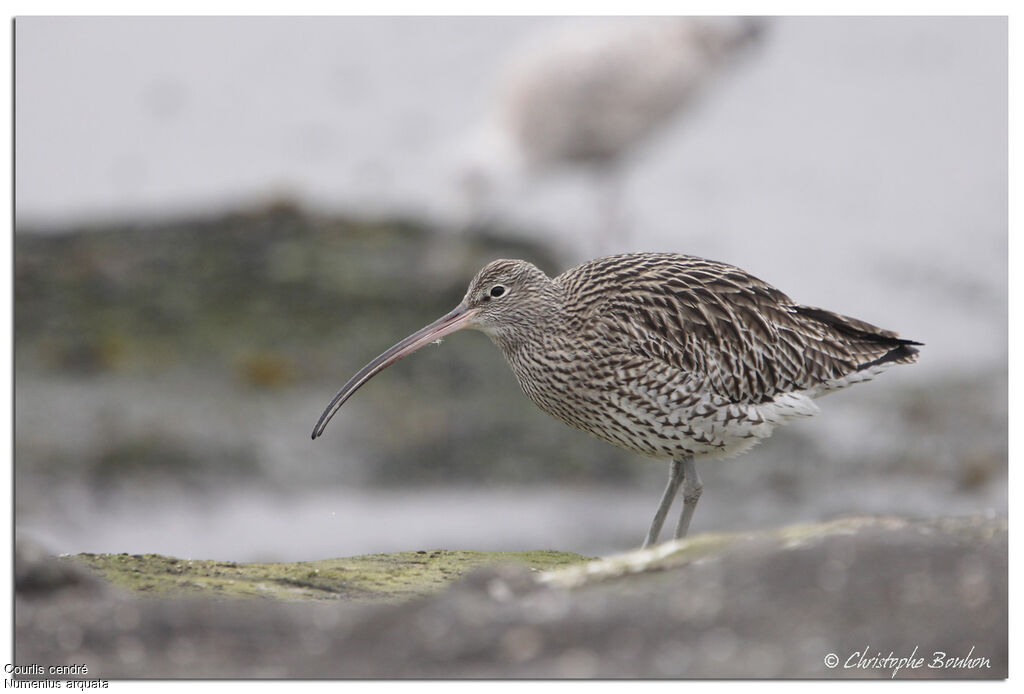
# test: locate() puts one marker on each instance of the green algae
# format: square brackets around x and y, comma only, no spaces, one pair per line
[368,578]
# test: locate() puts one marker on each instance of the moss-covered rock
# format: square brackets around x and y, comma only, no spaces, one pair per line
[269,294]
[368,578]
[265,300]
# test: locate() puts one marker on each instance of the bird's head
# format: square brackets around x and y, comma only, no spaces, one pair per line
[507,295]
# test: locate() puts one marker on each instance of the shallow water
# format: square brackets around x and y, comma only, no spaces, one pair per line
[896,445]
[252,525]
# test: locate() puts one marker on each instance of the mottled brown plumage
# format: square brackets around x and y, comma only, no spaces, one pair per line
[670,356]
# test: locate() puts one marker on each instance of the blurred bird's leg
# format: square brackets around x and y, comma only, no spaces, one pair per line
[675,478]
[475,189]
[692,488]
[612,229]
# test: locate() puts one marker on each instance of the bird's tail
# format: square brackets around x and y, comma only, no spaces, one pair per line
[868,344]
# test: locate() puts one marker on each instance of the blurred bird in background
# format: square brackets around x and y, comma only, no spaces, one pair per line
[585,96]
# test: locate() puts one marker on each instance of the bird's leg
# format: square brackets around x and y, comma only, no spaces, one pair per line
[675,478]
[611,236]
[692,488]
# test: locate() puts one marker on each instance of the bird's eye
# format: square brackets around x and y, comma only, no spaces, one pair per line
[497,290]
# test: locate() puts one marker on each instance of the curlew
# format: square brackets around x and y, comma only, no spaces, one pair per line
[587,95]
[669,356]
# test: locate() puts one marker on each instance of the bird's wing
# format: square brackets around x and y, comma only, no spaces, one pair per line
[744,338]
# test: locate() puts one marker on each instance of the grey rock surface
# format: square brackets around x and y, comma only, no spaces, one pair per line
[783,603]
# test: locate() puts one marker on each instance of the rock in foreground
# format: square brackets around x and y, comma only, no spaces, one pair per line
[826,600]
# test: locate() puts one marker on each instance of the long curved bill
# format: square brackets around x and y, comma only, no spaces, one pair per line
[445,325]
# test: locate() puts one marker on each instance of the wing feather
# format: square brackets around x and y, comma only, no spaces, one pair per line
[744,338]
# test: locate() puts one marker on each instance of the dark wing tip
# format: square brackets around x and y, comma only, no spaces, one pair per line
[902,353]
